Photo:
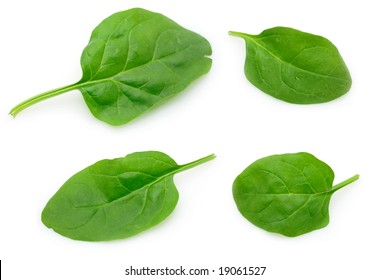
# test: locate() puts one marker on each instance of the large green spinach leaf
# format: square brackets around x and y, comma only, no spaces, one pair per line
[117,198]
[135,60]
[295,66]
[287,194]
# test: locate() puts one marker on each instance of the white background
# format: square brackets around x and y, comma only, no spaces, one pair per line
[221,113]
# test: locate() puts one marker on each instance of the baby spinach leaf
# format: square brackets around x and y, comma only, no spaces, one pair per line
[287,194]
[135,60]
[295,66]
[117,198]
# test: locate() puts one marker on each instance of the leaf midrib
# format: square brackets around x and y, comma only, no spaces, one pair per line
[112,78]
[251,38]
[285,185]
[178,169]
[290,194]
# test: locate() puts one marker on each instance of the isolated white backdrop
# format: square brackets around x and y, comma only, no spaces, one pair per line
[221,113]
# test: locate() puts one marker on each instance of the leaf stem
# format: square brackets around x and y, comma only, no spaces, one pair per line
[238,34]
[40,97]
[197,162]
[344,183]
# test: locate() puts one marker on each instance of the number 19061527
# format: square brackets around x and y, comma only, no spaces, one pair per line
[249,270]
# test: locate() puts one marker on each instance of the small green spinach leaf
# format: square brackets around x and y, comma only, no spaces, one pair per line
[135,60]
[287,194]
[114,199]
[295,66]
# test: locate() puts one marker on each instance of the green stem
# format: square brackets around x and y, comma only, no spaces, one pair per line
[197,162]
[238,34]
[40,97]
[344,183]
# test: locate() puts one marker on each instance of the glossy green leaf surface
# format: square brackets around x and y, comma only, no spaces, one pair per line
[287,194]
[295,66]
[118,198]
[134,61]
